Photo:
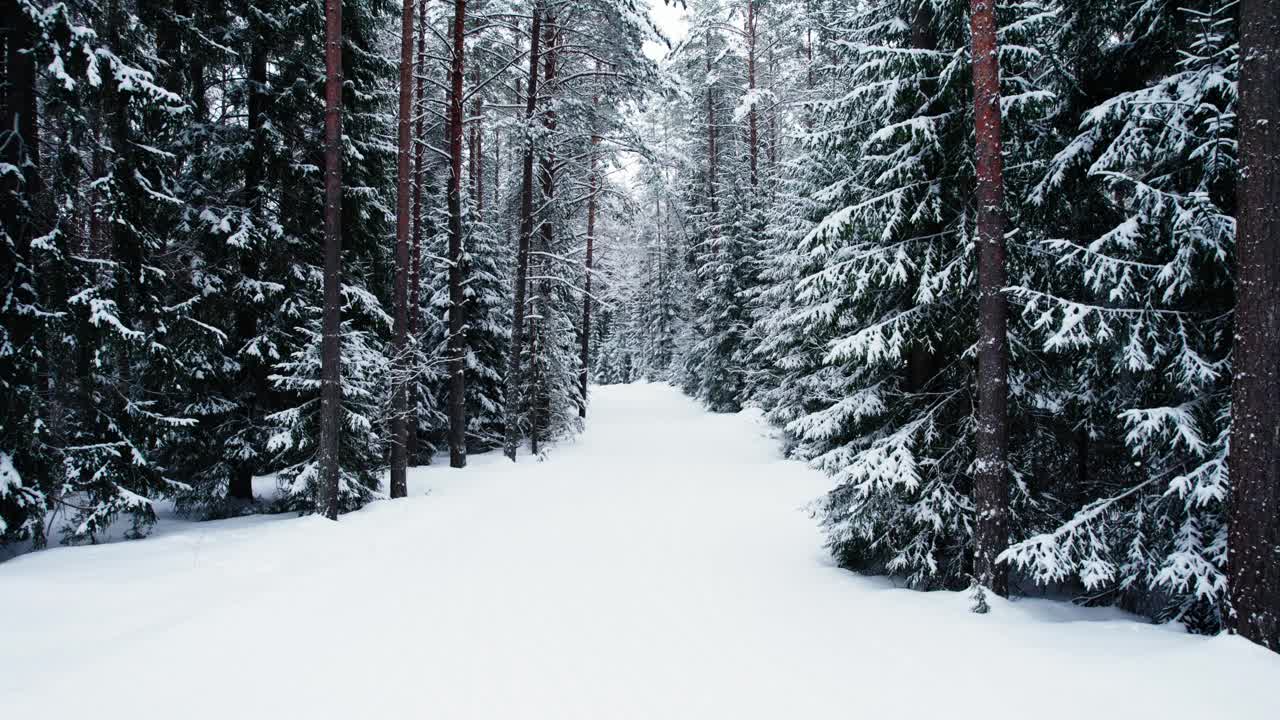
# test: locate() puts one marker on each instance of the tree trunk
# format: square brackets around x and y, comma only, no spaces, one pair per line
[475,145]
[522,252]
[415,272]
[991,485]
[456,346]
[711,139]
[331,349]
[1254,539]
[585,353]
[753,130]
[254,378]
[477,127]
[542,301]
[402,367]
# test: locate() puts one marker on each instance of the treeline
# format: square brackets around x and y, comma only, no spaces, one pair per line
[1029,345]
[311,240]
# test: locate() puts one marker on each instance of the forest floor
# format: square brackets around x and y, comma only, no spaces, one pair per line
[662,565]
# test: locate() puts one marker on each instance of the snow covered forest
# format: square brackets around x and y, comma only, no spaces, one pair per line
[1003,275]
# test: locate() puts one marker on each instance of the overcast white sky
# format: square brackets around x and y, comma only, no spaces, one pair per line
[671,19]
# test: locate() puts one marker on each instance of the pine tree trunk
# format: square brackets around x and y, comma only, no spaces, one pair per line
[711,139]
[585,353]
[331,349]
[522,252]
[415,272]
[254,376]
[753,132]
[542,300]
[456,346]
[125,244]
[402,367]
[1254,540]
[477,127]
[991,485]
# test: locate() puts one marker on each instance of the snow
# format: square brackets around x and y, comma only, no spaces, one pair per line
[661,566]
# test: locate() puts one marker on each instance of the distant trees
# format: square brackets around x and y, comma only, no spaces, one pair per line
[865,312]
[197,215]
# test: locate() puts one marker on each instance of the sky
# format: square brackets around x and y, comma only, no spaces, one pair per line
[671,20]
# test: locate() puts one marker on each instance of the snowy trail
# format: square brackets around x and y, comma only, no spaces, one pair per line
[661,566]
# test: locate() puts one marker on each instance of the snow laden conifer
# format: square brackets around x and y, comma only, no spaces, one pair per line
[365,394]
[116,331]
[891,293]
[1138,312]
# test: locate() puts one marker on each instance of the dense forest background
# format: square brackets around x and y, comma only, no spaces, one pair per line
[783,211]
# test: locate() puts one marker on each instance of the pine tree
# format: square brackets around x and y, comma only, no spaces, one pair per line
[1139,304]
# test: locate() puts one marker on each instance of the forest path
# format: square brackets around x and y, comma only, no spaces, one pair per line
[660,566]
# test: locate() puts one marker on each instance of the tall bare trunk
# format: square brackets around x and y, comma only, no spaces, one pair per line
[1254,563]
[753,130]
[541,405]
[522,252]
[991,485]
[456,346]
[331,349]
[584,362]
[254,374]
[415,271]
[400,344]
[711,139]
[475,145]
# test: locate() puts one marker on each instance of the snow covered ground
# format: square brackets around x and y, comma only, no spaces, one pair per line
[661,566]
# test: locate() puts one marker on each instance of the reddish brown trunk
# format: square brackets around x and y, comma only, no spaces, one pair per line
[522,252]
[1254,562]
[456,346]
[991,486]
[330,352]
[399,355]
[478,124]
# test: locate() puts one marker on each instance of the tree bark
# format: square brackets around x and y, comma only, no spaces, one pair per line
[331,349]
[400,345]
[541,409]
[585,353]
[712,203]
[522,252]
[1254,537]
[753,130]
[456,346]
[415,272]
[254,371]
[475,147]
[991,485]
